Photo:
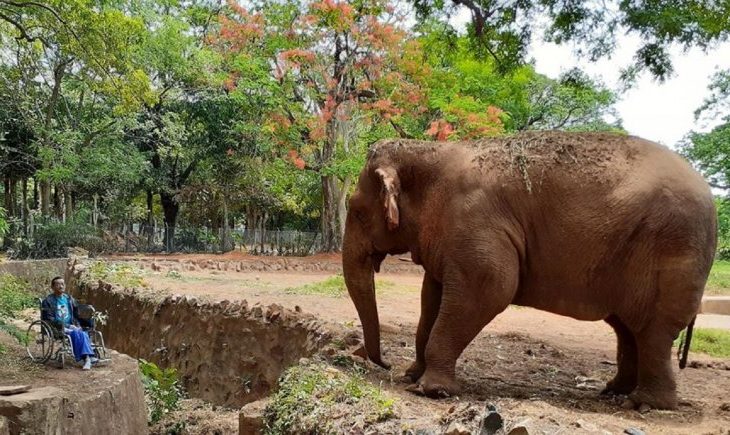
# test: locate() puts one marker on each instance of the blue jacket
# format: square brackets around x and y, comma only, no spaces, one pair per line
[48,310]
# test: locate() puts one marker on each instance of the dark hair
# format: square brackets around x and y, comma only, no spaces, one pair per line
[53,281]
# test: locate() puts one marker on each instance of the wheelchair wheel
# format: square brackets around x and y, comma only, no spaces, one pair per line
[39,341]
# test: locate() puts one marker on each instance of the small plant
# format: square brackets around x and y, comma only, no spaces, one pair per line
[333,286]
[311,398]
[100,317]
[120,274]
[15,296]
[162,390]
[174,274]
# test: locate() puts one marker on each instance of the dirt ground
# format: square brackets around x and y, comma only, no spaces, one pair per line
[533,365]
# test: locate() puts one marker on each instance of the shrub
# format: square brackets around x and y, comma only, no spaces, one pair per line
[311,398]
[15,295]
[162,390]
[51,240]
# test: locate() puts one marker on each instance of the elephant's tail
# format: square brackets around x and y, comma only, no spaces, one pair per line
[684,347]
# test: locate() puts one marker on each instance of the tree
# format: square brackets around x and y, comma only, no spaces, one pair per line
[327,63]
[503,30]
[492,102]
[710,151]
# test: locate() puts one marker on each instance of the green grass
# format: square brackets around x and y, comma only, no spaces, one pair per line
[120,274]
[718,282]
[333,286]
[15,296]
[312,397]
[714,342]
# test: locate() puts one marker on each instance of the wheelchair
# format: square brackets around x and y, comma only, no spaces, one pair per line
[44,342]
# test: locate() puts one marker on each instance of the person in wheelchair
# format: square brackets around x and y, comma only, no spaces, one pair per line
[61,311]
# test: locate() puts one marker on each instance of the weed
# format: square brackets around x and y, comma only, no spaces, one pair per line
[312,397]
[121,274]
[714,342]
[174,274]
[162,390]
[333,286]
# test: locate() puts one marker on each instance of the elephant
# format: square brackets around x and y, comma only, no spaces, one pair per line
[594,226]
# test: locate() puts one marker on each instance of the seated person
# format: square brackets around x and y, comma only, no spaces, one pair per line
[60,310]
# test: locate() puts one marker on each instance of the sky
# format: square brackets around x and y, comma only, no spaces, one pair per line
[661,112]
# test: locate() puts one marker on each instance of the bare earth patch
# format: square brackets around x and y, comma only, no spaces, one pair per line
[535,366]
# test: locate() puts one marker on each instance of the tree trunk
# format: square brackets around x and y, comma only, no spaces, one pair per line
[56,203]
[342,205]
[331,236]
[225,245]
[8,199]
[170,208]
[36,198]
[149,226]
[95,211]
[25,210]
[68,203]
[15,209]
[45,198]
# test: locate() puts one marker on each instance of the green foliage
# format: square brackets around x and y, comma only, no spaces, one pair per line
[311,397]
[15,295]
[333,286]
[162,390]
[503,31]
[714,342]
[718,283]
[121,274]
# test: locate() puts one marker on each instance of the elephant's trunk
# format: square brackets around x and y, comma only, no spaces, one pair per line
[360,280]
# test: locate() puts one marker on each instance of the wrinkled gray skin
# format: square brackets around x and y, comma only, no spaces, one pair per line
[591,226]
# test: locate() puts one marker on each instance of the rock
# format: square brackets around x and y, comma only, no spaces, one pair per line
[519,430]
[633,431]
[9,390]
[590,427]
[522,427]
[352,338]
[725,407]
[492,421]
[457,429]
[251,418]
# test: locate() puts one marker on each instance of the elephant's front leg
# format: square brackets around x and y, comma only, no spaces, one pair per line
[470,300]
[430,302]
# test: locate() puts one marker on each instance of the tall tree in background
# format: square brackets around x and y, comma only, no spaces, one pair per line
[503,30]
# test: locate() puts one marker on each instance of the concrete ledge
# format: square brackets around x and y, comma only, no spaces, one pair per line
[110,403]
[716,305]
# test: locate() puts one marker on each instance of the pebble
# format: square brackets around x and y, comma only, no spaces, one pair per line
[492,421]
[633,431]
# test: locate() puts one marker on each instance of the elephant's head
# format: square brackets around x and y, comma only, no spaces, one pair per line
[374,229]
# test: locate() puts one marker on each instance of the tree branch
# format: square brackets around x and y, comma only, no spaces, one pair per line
[23,33]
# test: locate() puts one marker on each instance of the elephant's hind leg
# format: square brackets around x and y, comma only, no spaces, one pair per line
[625,380]
[430,303]
[656,385]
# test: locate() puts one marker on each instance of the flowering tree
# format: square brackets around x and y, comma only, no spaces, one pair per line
[333,70]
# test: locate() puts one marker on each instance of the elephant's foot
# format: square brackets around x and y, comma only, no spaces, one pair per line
[644,400]
[619,385]
[435,386]
[413,373]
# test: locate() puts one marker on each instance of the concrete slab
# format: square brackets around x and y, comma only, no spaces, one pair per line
[716,305]
[716,321]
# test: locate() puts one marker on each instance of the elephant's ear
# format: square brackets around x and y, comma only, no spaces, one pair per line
[391,186]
